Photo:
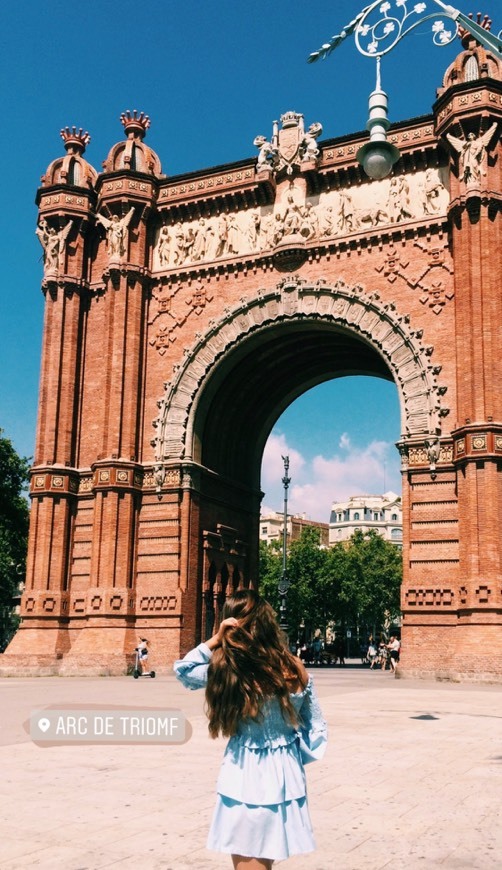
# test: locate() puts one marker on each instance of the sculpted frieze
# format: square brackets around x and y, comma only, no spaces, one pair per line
[311,219]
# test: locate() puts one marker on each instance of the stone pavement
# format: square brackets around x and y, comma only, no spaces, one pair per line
[412,778]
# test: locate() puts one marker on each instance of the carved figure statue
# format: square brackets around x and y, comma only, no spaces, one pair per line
[472,151]
[234,235]
[53,244]
[433,453]
[309,145]
[178,249]
[292,217]
[345,213]
[116,229]
[267,230]
[211,241]
[432,189]
[199,242]
[188,243]
[164,246]
[309,224]
[267,157]
[222,233]
[251,229]
[327,221]
[399,200]
[277,229]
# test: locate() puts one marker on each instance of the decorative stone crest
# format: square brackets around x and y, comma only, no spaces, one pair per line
[289,146]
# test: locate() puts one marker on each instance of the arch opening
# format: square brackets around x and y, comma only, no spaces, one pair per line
[248,392]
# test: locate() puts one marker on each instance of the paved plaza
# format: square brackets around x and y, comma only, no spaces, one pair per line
[412,778]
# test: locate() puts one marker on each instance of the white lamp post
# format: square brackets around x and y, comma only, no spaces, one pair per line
[377,30]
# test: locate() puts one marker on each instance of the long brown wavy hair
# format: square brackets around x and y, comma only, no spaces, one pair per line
[252,664]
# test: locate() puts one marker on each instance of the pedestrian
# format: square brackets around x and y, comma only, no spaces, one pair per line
[142,649]
[372,655]
[260,696]
[394,647]
[340,650]
[383,654]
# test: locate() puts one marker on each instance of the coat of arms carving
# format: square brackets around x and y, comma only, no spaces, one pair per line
[289,146]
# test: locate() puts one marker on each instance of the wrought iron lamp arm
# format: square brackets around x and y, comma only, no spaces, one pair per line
[484,37]
[396,26]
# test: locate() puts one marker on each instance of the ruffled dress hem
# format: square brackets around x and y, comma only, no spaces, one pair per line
[275,832]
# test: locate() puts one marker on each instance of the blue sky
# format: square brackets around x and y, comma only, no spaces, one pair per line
[211,76]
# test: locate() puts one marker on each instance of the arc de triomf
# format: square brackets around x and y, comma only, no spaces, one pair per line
[184,314]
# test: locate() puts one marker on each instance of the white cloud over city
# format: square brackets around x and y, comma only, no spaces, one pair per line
[317,482]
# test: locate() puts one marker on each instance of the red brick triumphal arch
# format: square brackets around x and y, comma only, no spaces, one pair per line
[204,304]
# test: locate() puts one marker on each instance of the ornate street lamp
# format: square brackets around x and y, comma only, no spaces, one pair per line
[284,583]
[377,29]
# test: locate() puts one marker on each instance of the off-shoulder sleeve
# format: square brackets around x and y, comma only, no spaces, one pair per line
[192,670]
[313,731]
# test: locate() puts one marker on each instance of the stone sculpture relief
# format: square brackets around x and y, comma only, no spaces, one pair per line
[116,233]
[53,243]
[472,152]
[329,215]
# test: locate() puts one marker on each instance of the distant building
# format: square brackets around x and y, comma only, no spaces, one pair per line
[272,526]
[383,513]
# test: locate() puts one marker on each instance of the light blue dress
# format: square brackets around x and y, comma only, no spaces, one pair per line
[261,809]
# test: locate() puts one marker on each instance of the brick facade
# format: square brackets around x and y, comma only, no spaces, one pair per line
[204,305]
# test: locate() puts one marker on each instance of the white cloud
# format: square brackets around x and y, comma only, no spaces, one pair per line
[344,442]
[315,484]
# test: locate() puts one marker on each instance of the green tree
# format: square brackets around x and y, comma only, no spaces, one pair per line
[305,561]
[336,607]
[354,583]
[305,568]
[270,572]
[13,531]
[370,589]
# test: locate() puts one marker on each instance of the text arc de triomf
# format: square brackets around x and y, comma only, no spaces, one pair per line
[183,315]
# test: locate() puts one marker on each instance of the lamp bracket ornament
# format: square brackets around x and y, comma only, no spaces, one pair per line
[377,30]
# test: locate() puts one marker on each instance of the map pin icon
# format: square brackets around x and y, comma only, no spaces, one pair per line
[44,724]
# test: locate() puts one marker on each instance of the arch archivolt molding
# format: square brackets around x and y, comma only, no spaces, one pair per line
[296,299]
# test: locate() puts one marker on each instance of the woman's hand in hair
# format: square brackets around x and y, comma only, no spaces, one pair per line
[216,639]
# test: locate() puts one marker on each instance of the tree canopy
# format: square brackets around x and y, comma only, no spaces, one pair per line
[14,516]
[353,584]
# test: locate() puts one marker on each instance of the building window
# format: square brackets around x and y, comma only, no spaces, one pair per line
[394,518]
[375,517]
[356,516]
[264,530]
[396,534]
[471,69]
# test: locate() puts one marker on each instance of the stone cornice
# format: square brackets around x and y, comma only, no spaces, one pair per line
[468,99]
[476,441]
[61,198]
[232,187]
[126,181]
